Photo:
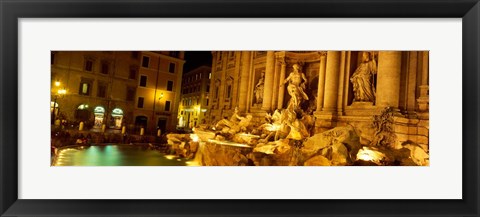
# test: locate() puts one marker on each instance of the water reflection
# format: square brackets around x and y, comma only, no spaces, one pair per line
[115,155]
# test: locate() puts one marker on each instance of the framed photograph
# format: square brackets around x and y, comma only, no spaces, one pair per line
[161,108]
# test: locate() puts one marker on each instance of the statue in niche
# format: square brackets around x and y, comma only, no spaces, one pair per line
[362,79]
[296,86]
[259,89]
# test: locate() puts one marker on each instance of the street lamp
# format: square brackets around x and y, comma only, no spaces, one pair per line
[60,93]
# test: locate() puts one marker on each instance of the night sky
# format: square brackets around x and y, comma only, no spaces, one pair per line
[197,58]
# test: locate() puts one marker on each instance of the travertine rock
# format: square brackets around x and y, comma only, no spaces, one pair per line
[340,155]
[223,155]
[317,161]
[382,156]
[268,148]
[343,140]
[177,138]
[418,155]
[182,145]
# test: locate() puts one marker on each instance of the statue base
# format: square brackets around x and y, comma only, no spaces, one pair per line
[362,109]
[362,104]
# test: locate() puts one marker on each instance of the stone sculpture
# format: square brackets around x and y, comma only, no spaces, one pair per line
[298,131]
[236,124]
[384,135]
[296,85]
[259,89]
[275,127]
[234,119]
[362,79]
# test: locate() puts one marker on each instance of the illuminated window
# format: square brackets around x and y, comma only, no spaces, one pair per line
[209,75]
[99,110]
[84,89]
[82,106]
[117,112]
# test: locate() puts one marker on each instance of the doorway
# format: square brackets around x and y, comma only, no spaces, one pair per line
[162,125]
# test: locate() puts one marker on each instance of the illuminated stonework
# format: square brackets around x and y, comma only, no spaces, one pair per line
[317,108]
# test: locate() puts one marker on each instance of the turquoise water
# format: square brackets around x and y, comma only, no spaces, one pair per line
[115,155]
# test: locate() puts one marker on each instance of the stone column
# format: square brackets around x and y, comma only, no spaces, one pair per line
[412,81]
[221,91]
[388,86]
[244,78]
[213,100]
[321,81]
[281,88]
[275,84]
[331,81]
[268,87]
[423,99]
[341,82]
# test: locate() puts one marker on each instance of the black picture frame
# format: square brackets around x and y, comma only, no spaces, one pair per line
[12,10]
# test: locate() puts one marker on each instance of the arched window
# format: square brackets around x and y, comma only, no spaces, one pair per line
[99,113]
[82,113]
[117,118]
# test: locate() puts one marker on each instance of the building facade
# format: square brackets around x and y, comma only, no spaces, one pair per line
[112,89]
[99,87]
[195,97]
[158,90]
[340,88]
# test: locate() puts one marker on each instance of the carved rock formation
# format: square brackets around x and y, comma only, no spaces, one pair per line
[183,145]
[339,145]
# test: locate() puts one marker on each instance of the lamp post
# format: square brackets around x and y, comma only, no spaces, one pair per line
[60,92]
[159,131]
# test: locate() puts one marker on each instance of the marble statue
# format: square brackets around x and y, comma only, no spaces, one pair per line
[362,81]
[235,124]
[242,125]
[275,127]
[259,89]
[298,131]
[296,84]
[234,119]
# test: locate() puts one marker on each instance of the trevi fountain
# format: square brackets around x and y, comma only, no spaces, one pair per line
[319,108]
